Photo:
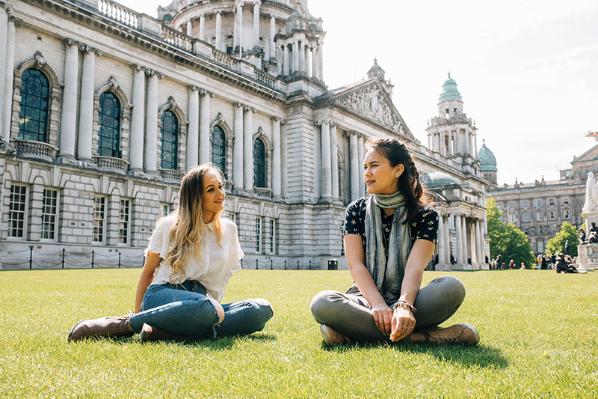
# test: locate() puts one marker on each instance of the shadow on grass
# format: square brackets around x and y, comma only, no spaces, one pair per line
[468,356]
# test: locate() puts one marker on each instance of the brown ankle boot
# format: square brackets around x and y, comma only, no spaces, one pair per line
[104,327]
[331,337]
[462,333]
[150,333]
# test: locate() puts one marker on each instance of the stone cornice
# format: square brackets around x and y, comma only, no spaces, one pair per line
[155,45]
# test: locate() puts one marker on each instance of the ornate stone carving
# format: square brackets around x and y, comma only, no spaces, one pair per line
[370,102]
[39,59]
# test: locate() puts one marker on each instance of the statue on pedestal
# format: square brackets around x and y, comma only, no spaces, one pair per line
[591,202]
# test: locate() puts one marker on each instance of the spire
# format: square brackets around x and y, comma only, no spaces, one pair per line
[376,71]
[450,91]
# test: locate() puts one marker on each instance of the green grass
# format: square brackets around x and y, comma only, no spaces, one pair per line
[538,332]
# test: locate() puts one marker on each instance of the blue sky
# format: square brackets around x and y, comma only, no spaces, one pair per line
[527,70]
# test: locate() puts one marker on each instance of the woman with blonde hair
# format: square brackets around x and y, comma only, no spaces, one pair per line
[191,255]
[389,240]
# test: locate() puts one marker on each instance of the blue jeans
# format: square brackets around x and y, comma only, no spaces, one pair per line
[185,310]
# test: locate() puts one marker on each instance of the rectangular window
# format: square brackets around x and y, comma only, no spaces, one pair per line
[99,212]
[258,234]
[551,215]
[525,216]
[273,232]
[566,214]
[551,202]
[165,210]
[123,223]
[17,211]
[49,213]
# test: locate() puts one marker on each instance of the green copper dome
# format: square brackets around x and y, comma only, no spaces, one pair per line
[434,180]
[450,91]
[487,159]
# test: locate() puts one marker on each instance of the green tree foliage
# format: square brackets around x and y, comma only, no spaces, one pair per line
[507,240]
[567,234]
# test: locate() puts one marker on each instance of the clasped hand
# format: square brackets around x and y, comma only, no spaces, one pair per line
[397,324]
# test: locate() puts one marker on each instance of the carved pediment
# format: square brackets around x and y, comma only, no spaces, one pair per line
[371,102]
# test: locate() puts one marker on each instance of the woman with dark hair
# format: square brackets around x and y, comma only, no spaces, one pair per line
[191,255]
[389,239]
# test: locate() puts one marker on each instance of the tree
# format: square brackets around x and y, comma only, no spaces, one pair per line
[567,236]
[507,240]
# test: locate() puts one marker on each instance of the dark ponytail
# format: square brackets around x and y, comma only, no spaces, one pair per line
[409,184]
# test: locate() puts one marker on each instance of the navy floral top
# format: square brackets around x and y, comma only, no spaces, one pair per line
[424,228]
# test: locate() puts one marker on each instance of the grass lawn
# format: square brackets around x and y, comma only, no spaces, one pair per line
[538,332]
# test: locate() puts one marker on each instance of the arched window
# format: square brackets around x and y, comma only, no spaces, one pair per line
[219,149]
[259,163]
[170,140]
[109,137]
[35,100]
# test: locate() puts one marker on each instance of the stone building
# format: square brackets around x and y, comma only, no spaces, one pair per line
[104,108]
[541,207]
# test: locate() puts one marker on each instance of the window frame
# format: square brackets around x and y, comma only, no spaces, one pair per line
[175,142]
[259,230]
[56,215]
[127,228]
[104,213]
[24,108]
[255,164]
[115,152]
[25,212]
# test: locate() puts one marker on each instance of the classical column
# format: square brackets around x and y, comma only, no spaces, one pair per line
[479,242]
[9,78]
[218,43]
[326,182]
[239,38]
[151,123]
[276,159]
[308,70]
[321,61]
[204,127]
[466,254]
[248,149]
[285,61]
[256,25]
[189,27]
[86,104]
[447,240]
[272,35]
[314,62]
[3,67]
[441,240]
[68,121]
[279,59]
[137,120]
[202,27]
[334,160]
[361,156]
[354,159]
[238,148]
[295,55]
[193,134]
[302,56]
[473,244]
[459,228]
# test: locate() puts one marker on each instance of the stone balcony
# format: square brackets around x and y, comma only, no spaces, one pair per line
[111,164]
[263,192]
[171,175]
[35,150]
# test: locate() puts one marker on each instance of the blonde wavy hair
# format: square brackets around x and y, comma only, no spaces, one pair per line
[187,231]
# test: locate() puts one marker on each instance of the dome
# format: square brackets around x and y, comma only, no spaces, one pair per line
[450,91]
[487,159]
[434,180]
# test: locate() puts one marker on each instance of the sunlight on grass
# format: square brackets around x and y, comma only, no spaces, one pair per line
[537,331]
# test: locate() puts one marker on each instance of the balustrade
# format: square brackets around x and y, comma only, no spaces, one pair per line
[35,149]
[111,164]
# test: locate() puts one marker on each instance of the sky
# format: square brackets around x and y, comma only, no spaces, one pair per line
[526,69]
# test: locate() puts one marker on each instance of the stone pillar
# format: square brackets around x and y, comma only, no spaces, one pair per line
[326,188]
[473,244]
[459,228]
[239,39]
[248,149]
[286,61]
[279,60]
[314,63]
[447,240]
[189,27]
[308,70]
[218,43]
[204,127]
[295,63]
[276,159]
[272,35]
[464,241]
[151,123]
[256,25]
[68,121]
[480,244]
[354,159]
[193,134]
[3,68]
[238,148]
[334,160]
[441,240]
[137,120]
[321,62]
[9,80]
[301,56]
[86,104]
[202,27]
[361,157]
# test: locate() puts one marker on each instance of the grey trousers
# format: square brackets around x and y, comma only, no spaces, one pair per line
[350,314]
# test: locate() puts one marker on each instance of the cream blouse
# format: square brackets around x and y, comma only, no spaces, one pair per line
[213,267]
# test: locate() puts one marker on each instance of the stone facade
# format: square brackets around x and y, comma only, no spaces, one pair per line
[540,208]
[253,69]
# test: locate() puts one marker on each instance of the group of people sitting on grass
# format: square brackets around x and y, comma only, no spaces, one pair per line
[389,238]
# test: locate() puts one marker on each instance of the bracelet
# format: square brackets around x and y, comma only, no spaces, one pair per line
[404,305]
